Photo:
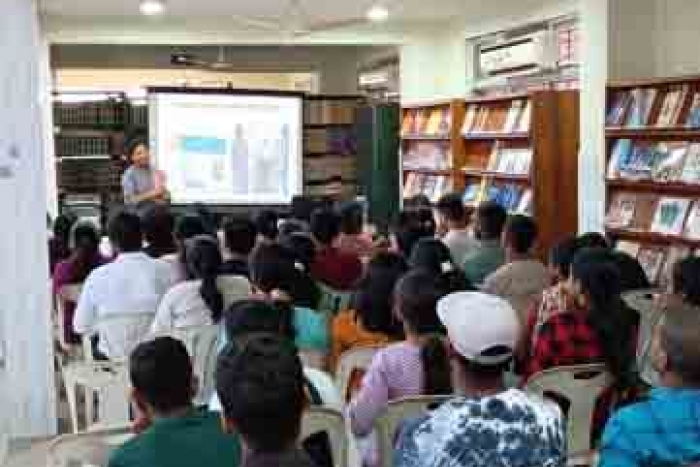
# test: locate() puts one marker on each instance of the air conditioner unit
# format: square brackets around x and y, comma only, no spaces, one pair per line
[531,53]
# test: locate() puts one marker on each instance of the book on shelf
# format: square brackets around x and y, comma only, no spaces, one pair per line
[443,186]
[669,165]
[674,253]
[432,186]
[513,161]
[642,101]
[471,194]
[692,224]
[628,247]
[672,106]
[693,120]
[525,206]
[691,167]
[670,216]
[506,195]
[494,157]
[434,122]
[514,114]
[622,150]
[427,155]
[470,118]
[525,118]
[652,260]
[618,109]
[419,122]
[413,185]
[407,124]
[621,212]
[644,212]
[636,161]
[445,126]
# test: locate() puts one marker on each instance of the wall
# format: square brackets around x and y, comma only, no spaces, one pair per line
[677,35]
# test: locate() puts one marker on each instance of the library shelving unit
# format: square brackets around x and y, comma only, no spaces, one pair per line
[653,170]
[519,150]
[330,145]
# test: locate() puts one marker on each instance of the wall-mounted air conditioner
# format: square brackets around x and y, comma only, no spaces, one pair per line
[530,53]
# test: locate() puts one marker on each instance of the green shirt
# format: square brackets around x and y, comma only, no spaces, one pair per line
[483,260]
[190,441]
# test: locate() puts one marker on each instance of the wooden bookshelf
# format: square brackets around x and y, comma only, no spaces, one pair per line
[330,145]
[652,131]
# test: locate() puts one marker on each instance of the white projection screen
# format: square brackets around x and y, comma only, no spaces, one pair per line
[226,147]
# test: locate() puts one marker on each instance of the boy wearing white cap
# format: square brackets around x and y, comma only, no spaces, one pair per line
[487,425]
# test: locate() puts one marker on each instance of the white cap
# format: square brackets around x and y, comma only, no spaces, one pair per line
[477,322]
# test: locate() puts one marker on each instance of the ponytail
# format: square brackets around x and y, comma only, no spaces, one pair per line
[212,297]
[204,263]
[437,372]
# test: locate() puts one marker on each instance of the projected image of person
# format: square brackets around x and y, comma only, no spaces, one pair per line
[240,160]
[268,161]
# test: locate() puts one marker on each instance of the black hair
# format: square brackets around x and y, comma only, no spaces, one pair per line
[125,232]
[266,223]
[161,371]
[521,232]
[272,268]
[491,217]
[62,227]
[418,201]
[680,339]
[291,226]
[249,317]
[133,145]
[451,206]
[416,298]
[207,216]
[352,218]
[302,248]
[426,220]
[373,300]
[85,256]
[261,388]
[204,263]
[612,321]
[686,279]
[562,255]
[189,226]
[158,226]
[632,275]
[433,256]
[302,207]
[593,240]
[239,235]
[409,228]
[325,226]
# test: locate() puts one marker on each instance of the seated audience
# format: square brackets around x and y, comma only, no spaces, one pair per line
[240,235]
[665,428]
[352,239]
[133,283]
[407,231]
[426,220]
[488,254]
[302,248]
[632,274]
[523,278]
[415,366]
[291,226]
[370,321]
[487,424]
[332,267]
[266,223]
[593,240]
[275,277]
[453,223]
[431,255]
[59,243]
[261,387]
[175,434]
[158,226]
[85,257]
[301,209]
[202,298]
[187,227]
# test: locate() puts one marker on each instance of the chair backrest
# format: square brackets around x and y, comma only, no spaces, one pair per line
[119,333]
[86,449]
[201,343]
[322,419]
[642,301]
[332,301]
[395,413]
[353,359]
[580,385]
[66,294]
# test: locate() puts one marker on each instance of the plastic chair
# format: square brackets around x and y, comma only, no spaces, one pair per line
[358,358]
[395,413]
[201,343]
[86,449]
[67,294]
[581,385]
[320,419]
[642,301]
[108,382]
[332,301]
[119,333]
[313,359]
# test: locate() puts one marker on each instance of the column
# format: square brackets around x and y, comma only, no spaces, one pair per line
[27,389]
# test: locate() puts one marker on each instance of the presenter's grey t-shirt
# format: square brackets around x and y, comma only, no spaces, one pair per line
[136,181]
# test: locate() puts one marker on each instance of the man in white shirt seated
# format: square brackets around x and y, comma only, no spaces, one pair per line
[453,222]
[133,284]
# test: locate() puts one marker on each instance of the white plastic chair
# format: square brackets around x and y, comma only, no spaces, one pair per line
[86,449]
[313,359]
[332,301]
[201,343]
[319,419]
[581,385]
[119,333]
[108,382]
[395,413]
[642,301]
[358,358]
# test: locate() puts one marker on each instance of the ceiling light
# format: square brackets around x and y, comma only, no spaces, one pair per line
[152,7]
[378,14]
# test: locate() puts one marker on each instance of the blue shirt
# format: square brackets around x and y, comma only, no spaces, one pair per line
[311,329]
[663,430]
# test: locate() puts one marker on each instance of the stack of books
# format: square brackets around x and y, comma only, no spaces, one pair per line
[427,156]
[633,108]
[435,121]
[513,161]
[664,215]
[664,162]
[484,119]
[432,186]
[514,198]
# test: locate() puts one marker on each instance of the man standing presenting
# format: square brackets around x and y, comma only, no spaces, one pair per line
[143,186]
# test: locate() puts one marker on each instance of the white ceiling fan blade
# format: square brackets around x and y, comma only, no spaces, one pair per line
[333,25]
[257,23]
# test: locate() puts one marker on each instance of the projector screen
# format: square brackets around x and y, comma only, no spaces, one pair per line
[225,147]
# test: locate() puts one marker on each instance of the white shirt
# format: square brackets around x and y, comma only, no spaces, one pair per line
[133,283]
[460,242]
[183,306]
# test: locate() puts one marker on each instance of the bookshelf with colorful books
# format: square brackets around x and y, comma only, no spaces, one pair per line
[521,151]
[431,148]
[653,172]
